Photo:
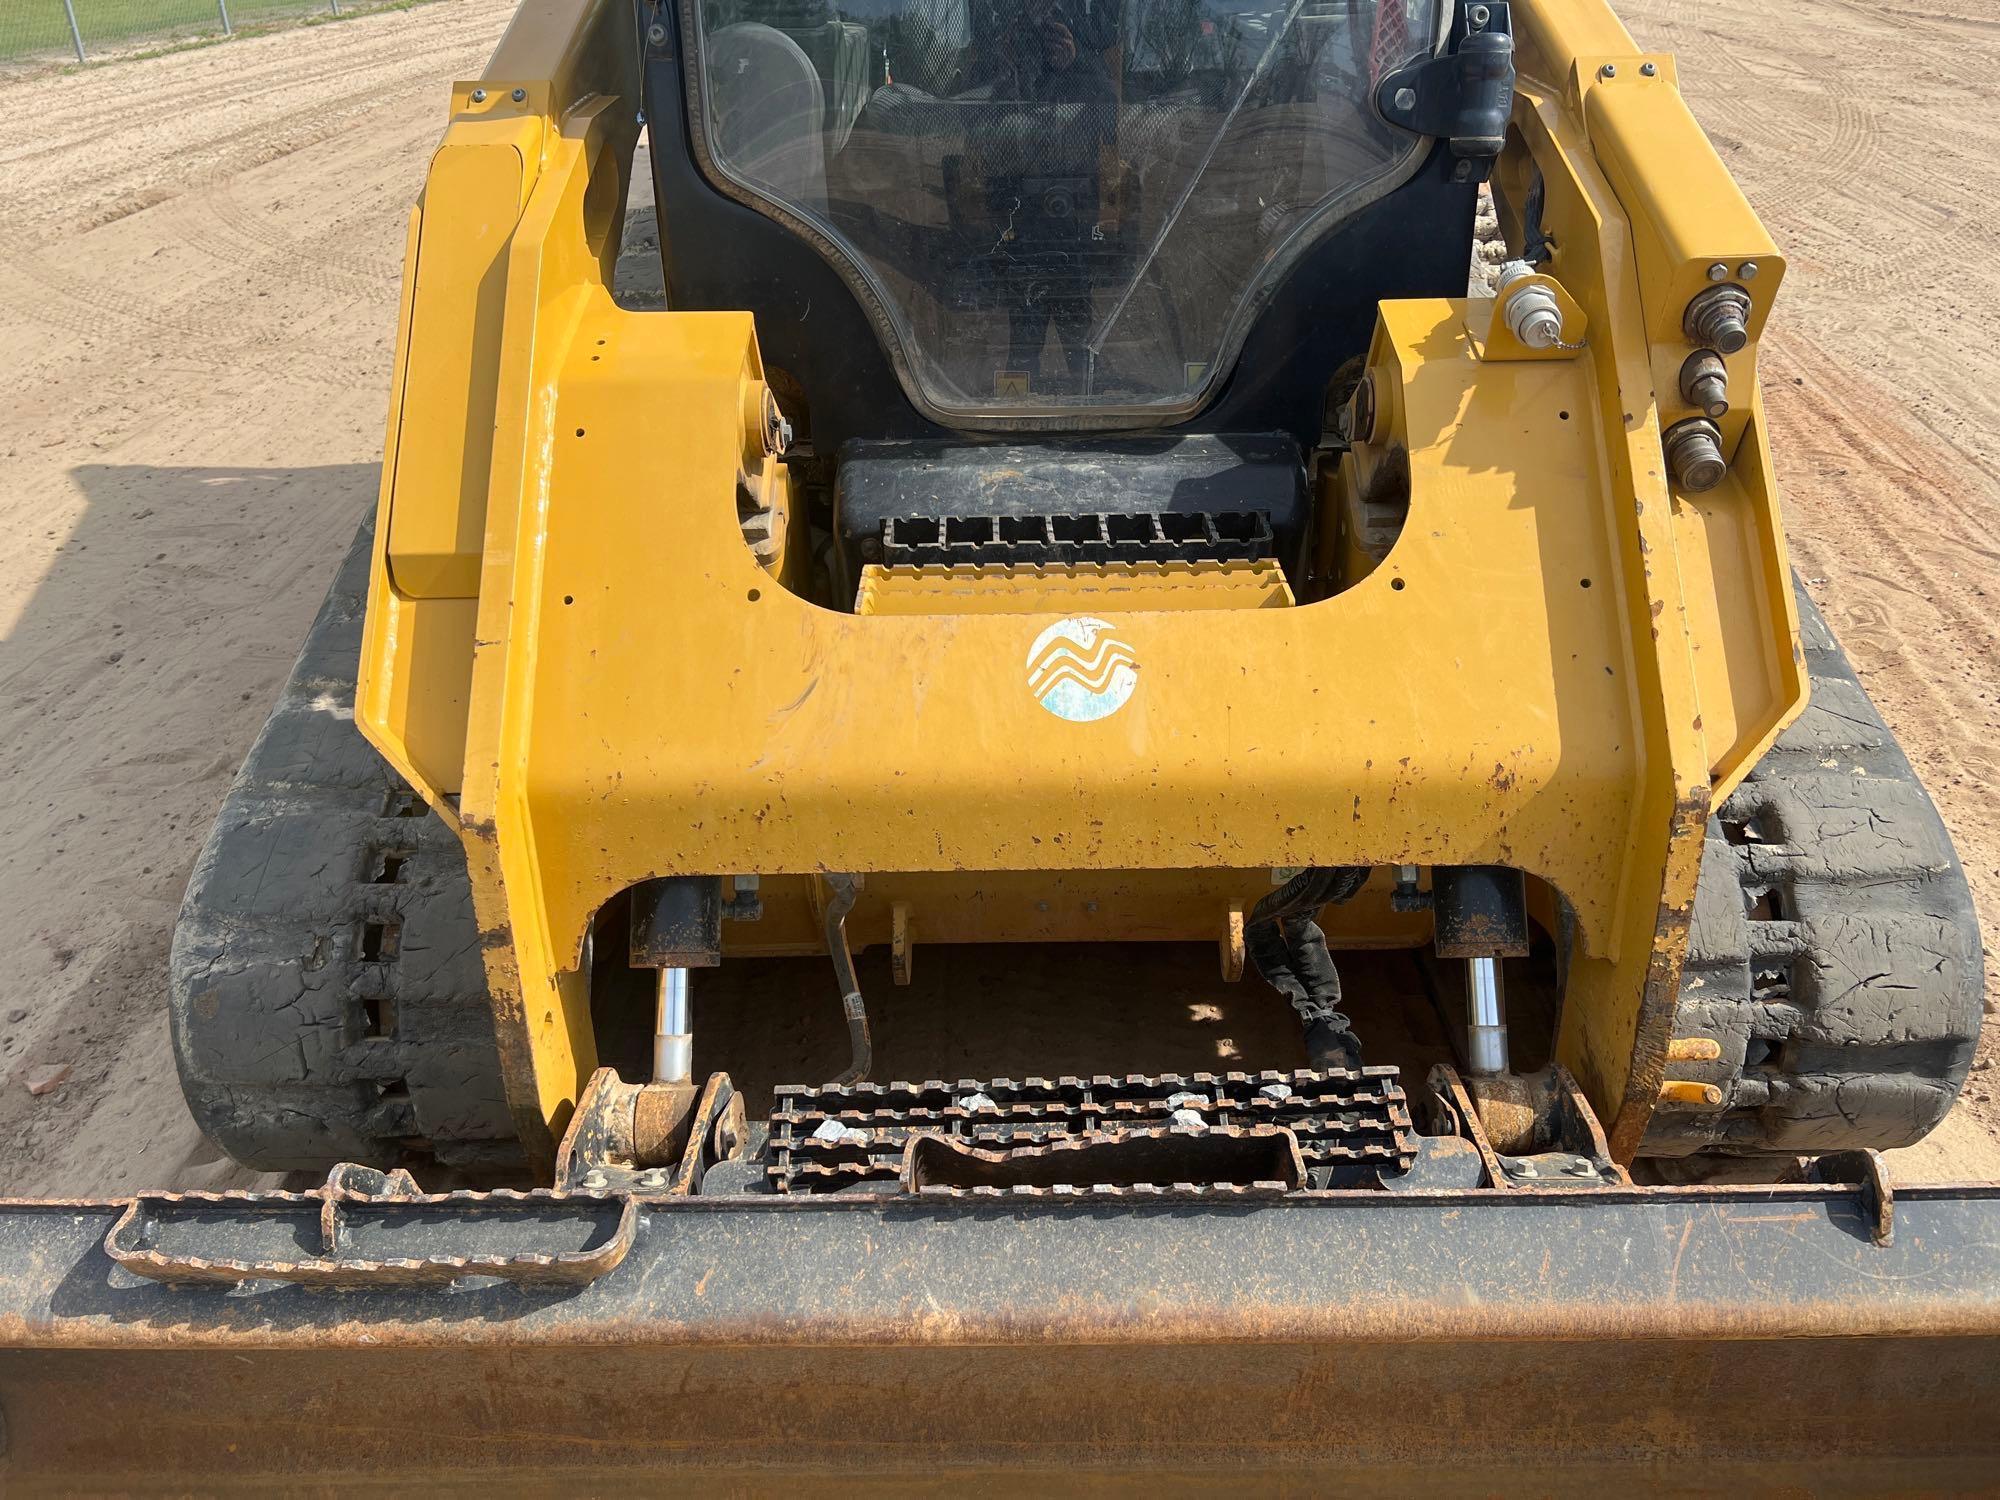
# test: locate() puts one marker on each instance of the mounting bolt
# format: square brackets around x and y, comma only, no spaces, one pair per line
[1718,272]
[1406,99]
[1747,271]
[1478,15]
[656,34]
[1694,453]
[1719,318]
[1648,70]
[1704,383]
[479,96]
[594,1181]
[519,95]
[1609,70]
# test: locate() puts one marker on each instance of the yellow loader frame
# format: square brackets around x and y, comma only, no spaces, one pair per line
[1561,666]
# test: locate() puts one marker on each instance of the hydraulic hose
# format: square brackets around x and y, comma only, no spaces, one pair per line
[1290,952]
[843,889]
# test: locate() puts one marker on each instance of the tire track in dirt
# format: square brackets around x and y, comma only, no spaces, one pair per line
[347,83]
[65,292]
[1888,535]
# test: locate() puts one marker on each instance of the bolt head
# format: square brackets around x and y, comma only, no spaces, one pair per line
[656,34]
[1747,271]
[1648,70]
[1718,272]
[1406,99]
[479,96]
[1609,70]
[519,95]
[1478,15]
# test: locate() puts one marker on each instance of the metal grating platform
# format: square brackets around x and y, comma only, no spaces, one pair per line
[1351,1128]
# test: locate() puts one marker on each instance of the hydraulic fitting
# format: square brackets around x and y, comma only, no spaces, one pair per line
[1705,383]
[1532,313]
[1694,454]
[1719,318]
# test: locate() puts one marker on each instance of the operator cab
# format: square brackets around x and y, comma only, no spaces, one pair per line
[1107,251]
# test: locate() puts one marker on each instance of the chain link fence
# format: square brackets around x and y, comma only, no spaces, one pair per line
[87,29]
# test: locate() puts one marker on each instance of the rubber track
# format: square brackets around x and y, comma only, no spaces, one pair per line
[1834,953]
[328,1000]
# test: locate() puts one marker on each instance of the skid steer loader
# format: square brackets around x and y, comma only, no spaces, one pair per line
[1072,820]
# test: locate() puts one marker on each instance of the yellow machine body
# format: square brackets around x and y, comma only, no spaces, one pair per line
[1560,664]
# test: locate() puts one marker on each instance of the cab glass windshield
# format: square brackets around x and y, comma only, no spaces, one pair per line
[1057,208]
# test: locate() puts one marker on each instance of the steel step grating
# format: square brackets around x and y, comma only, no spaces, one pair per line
[1351,1127]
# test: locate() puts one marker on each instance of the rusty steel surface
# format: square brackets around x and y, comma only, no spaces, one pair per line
[1251,1160]
[332,1239]
[1547,1340]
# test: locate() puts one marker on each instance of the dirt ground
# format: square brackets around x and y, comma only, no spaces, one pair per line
[197,294]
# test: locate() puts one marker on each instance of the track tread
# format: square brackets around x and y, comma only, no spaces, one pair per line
[277,992]
[1848,1013]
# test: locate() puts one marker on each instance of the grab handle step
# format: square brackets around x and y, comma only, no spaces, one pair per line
[370,1229]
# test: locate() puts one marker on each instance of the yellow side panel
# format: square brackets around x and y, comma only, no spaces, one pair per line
[1037,590]
[1687,213]
[428,698]
[1749,671]
[1692,229]
[437,514]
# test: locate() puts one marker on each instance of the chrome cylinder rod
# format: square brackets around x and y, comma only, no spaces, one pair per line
[673,1032]
[1486,1016]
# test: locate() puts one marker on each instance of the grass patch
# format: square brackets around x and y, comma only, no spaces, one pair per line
[38,28]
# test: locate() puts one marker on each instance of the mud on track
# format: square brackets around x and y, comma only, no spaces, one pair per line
[197,298]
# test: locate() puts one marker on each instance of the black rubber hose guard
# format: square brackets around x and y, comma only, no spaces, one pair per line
[1290,952]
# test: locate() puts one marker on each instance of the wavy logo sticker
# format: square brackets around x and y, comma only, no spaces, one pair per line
[1078,670]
